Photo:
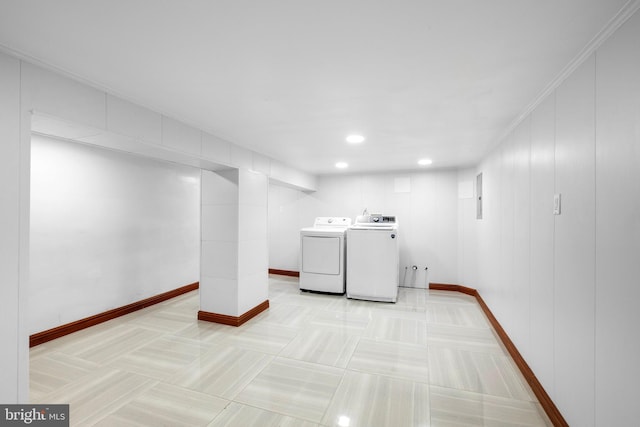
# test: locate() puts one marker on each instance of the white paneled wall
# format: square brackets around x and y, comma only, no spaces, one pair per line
[467,233]
[107,229]
[125,118]
[541,287]
[564,286]
[505,289]
[216,149]
[180,137]
[488,230]
[427,212]
[241,157]
[12,327]
[291,177]
[574,245]
[617,194]
[519,292]
[285,222]
[51,93]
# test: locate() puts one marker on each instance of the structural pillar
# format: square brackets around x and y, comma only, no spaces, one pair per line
[14,243]
[234,249]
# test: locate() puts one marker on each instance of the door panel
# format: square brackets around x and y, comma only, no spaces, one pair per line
[321,255]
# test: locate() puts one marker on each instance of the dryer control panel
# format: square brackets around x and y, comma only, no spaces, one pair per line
[332,221]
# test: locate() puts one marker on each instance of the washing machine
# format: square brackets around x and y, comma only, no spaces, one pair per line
[322,255]
[373,256]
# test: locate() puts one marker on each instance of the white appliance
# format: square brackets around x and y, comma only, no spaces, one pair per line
[373,258]
[322,255]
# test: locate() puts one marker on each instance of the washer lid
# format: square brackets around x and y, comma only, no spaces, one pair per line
[379,227]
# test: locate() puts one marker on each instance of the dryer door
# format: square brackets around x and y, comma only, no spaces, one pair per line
[321,255]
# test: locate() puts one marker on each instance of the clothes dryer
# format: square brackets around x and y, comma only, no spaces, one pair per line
[322,255]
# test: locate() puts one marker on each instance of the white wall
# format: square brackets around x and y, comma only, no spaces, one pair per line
[107,229]
[565,287]
[467,236]
[13,334]
[617,233]
[285,221]
[427,212]
[574,245]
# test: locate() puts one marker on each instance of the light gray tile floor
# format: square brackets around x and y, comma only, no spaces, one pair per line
[431,359]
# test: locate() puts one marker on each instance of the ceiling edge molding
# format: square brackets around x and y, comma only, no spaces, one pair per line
[614,23]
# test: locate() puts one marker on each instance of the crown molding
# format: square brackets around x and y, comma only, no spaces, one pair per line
[590,48]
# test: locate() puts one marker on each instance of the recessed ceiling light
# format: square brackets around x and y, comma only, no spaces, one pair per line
[342,165]
[355,139]
[425,162]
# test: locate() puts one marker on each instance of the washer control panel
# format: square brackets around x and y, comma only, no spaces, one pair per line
[382,219]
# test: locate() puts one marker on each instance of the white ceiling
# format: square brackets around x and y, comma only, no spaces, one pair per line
[443,79]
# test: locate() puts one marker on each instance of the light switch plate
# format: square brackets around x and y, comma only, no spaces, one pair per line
[556,204]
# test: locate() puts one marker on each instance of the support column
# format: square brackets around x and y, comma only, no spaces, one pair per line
[233,255]
[14,221]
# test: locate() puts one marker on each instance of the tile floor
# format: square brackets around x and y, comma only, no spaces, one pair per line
[431,359]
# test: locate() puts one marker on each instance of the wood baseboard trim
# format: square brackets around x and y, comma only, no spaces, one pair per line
[284,272]
[455,288]
[233,320]
[69,328]
[545,400]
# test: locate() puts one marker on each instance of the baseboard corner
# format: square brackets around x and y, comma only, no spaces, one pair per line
[225,319]
[290,273]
